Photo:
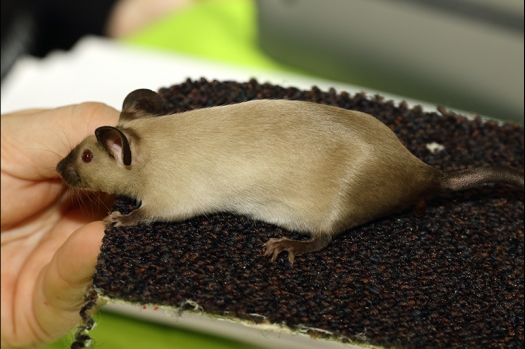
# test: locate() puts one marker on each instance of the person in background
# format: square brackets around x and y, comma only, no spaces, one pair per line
[36,27]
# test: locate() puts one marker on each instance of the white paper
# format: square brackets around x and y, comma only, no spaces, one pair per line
[106,71]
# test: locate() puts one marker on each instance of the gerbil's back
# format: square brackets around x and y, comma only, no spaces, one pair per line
[271,138]
[261,120]
[262,134]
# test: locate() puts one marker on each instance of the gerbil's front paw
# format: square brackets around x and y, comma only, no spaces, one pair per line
[121,220]
[275,246]
[113,217]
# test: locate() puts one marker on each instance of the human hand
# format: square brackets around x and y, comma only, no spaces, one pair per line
[50,241]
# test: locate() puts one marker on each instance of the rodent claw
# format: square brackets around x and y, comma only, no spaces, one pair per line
[113,217]
[274,247]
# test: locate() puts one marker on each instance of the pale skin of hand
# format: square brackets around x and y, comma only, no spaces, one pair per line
[50,239]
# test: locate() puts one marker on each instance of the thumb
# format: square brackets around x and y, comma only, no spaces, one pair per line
[60,289]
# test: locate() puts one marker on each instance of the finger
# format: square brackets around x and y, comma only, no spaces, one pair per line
[61,286]
[22,199]
[78,121]
[33,143]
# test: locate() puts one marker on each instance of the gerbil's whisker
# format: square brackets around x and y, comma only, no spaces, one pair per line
[65,135]
[47,150]
[90,203]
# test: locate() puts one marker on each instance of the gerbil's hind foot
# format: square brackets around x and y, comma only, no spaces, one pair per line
[120,220]
[294,247]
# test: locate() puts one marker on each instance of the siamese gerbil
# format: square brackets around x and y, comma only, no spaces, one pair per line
[306,167]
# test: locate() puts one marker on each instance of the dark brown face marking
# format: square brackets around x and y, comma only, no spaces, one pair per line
[66,169]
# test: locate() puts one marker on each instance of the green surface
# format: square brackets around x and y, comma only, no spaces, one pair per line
[222,30]
[120,332]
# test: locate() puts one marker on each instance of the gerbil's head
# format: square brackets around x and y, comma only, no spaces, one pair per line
[100,162]
[105,161]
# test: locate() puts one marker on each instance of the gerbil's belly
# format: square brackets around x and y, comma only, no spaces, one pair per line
[301,213]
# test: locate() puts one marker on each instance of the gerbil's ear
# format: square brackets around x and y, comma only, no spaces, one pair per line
[141,103]
[115,142]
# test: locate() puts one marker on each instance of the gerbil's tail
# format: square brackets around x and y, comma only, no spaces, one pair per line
[474,177]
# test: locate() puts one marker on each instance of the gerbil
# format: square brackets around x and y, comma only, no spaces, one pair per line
[306,167]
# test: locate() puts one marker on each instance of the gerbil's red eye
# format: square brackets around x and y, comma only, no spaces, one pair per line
[87,156]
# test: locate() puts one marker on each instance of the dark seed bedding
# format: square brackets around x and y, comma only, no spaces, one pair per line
[452,278]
